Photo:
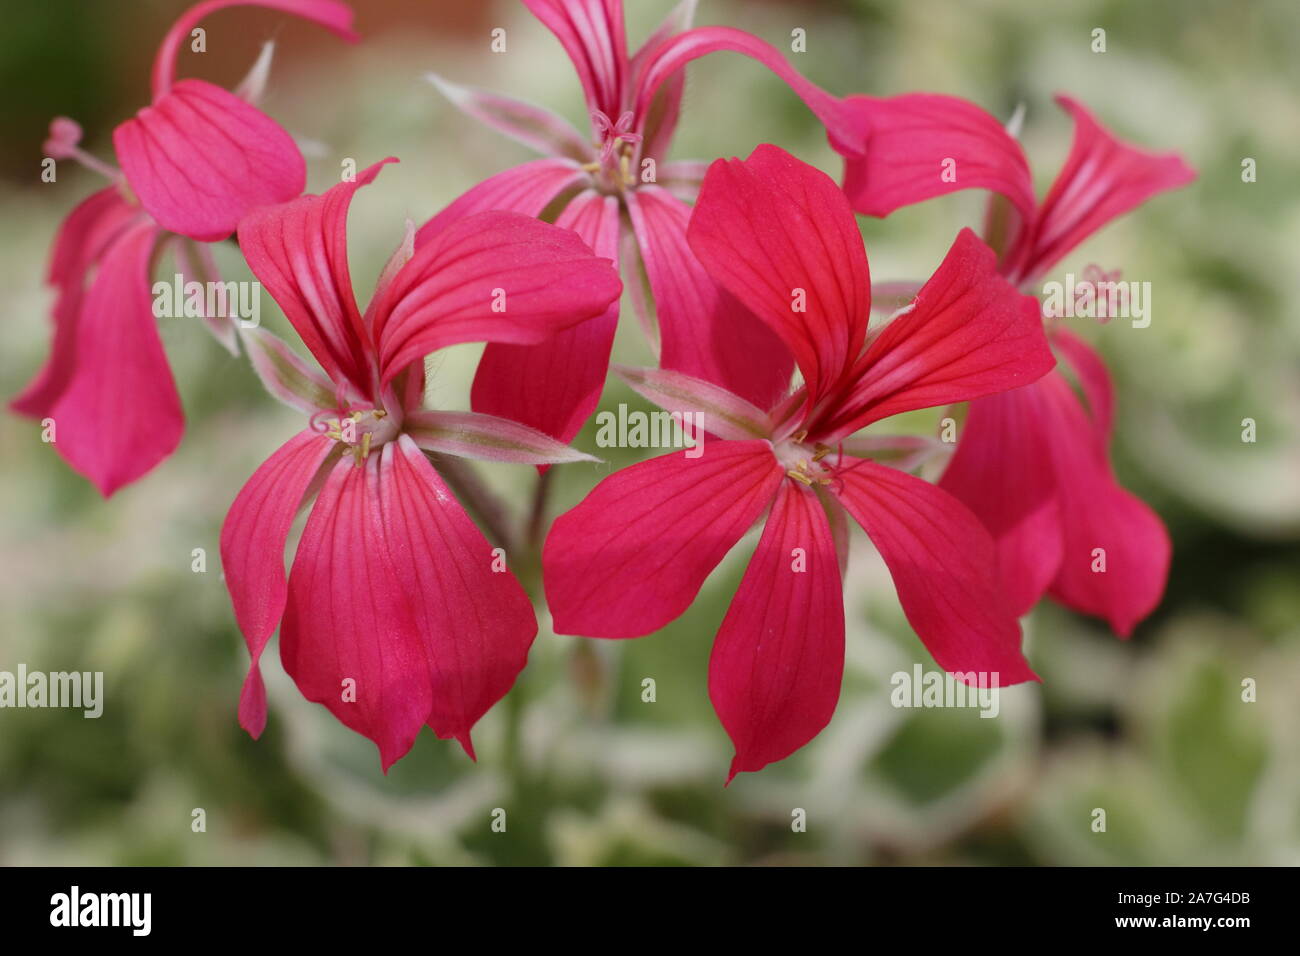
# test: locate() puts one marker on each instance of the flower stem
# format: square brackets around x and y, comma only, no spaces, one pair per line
[537,516]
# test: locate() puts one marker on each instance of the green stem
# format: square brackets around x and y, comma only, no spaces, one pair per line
[537,516]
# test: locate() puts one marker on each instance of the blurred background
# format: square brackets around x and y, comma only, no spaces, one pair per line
[1153,730]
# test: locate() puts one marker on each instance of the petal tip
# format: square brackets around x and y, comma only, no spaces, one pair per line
[467,745]
[253,727]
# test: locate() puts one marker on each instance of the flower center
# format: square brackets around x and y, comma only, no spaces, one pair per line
[802,462]
[617,144]
[360,431]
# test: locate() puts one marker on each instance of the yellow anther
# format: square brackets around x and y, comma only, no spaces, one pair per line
[358,435]
[821,452]
[800,476]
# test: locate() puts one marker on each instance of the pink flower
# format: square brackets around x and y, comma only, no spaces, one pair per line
[1033,463]
[616,189]
[397,611]
[780,236]
[193,163]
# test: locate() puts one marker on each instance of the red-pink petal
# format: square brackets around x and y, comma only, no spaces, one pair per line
[526,189]
[200,158]
[633,555]
[674,54]
[968,334]
[1103,178]
[944,568]
[299,250]
[119,415]
[86,233]
[1101,520]
[665,108]
[252,553]
[491,277]
[570,367]
[1093,377]
[90,229]
[704,330]
[1002,470]
[349,636]
[477,622]
[777,662]
[921,145]
[392,595]
[331,14]
[593,35]
[554,386]
[780,236]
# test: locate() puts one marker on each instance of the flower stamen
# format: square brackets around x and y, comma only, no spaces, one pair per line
[361,430]
[64,142]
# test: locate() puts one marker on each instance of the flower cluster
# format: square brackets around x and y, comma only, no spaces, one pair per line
[754,288]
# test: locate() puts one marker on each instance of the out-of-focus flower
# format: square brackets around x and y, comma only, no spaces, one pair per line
[1033,463]
[616,189]
[193,162]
